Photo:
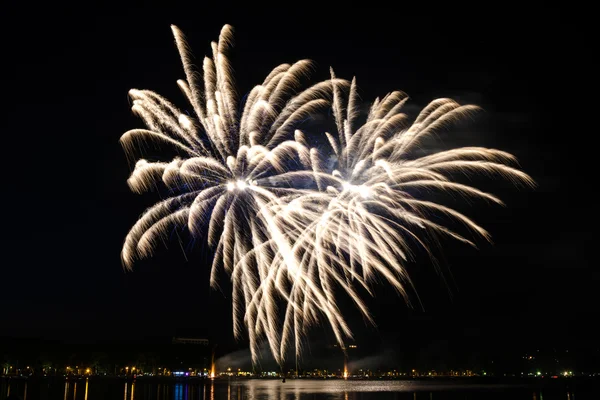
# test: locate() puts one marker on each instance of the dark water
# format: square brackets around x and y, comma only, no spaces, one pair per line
[304,389]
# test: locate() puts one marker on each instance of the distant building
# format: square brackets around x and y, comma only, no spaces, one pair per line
[189,352]
[184,340]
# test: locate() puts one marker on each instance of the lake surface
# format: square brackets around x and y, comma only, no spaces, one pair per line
[302,389]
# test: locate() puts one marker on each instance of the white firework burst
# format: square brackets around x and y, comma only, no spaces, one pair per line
[231,167]
[362,222]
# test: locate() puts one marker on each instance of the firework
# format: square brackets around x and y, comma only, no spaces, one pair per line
[287,227]
[363,221]
[231,167]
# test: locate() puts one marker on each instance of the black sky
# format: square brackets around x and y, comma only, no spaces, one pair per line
[68,209]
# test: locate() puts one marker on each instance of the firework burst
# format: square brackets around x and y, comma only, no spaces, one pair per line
[362,222]
[287,227]
[231,167]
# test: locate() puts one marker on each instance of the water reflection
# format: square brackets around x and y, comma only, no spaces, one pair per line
[296,390]
[67,391]
[354,390]
[259,389]
[570,396]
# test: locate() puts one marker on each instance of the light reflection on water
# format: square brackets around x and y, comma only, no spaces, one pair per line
[301,389]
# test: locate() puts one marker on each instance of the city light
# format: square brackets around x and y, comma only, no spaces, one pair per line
[342,373]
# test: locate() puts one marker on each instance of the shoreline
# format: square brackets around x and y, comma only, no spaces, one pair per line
[456,379]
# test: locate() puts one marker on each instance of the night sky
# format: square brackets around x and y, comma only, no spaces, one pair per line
[67,207]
